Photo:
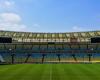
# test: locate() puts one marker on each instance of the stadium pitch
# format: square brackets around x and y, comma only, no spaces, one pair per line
[50,72]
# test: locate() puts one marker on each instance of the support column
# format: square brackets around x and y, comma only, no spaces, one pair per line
[89,55]
[43,56]
[73,55]
[28,56]
[12,58]
[58,57]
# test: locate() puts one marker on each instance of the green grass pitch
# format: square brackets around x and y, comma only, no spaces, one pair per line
[50,72]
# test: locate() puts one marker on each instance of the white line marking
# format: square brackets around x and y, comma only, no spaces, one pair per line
[51,72]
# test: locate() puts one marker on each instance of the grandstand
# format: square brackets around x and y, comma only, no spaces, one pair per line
[28,47]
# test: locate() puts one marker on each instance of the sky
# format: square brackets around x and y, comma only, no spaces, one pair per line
[50,15]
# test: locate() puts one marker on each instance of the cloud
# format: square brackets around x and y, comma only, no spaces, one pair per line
[10,17]
[36,25]
[77,28]
[11,21]
[7,4]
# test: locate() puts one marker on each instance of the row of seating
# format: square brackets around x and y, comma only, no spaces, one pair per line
[7,57]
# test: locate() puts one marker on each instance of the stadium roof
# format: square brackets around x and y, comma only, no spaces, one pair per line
[49,37]
[36,38]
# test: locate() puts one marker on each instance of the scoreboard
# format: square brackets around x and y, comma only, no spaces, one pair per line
[5,40]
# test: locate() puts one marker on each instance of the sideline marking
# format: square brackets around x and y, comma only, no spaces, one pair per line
[51,72]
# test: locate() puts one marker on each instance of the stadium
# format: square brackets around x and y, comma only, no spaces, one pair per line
[26,47]
[49,39]
[49,56]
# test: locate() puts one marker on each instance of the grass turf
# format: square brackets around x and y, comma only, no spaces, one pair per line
[50,72]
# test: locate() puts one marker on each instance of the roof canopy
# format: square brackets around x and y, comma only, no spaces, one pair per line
[81,36]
